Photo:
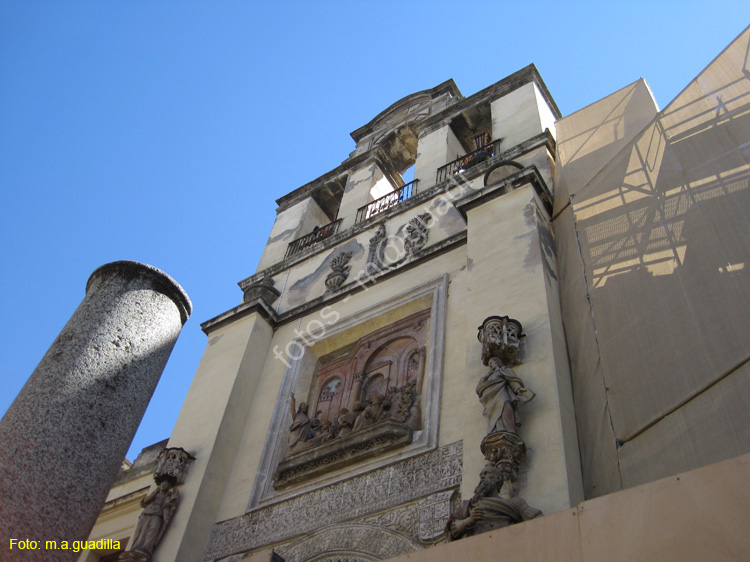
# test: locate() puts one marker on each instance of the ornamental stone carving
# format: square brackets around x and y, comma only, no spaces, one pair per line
[376,253]
[335,453]
[340,271]
[416,233]
[487,509]
[174,463]
[365,496]
[500,337]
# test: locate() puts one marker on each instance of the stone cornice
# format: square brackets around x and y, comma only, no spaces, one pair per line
[529,175]
[255,306]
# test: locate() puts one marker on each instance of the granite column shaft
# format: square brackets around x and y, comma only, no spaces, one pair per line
[64,438]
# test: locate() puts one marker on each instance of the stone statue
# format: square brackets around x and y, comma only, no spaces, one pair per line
[345,422]
[159,507]
[487,510]
[499,391]
[370,414]
[301,429]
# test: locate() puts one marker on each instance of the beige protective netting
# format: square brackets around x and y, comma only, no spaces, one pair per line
[653,239]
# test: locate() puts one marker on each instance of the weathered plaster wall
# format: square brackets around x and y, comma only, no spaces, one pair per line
[520,115]
[290,224]
[357,192]
[209,427]
[436,148]
[507,276]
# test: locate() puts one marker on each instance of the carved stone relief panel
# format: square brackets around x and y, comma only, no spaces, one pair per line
[379,370]
[357,398]
[409,498]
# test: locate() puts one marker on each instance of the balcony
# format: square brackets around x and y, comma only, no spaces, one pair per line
[386,202]
[318,234]
[463,163]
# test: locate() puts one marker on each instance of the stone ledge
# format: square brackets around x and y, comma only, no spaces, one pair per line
[364,444]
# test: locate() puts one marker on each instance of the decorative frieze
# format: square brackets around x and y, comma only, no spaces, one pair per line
[348,500]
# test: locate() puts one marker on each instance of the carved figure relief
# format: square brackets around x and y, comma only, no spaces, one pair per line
[159,507]
[487,509]
[301,429]
[377,380]
[500,391]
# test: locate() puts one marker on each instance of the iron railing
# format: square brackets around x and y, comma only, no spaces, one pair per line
[467,161]
[318,234]
[386,202]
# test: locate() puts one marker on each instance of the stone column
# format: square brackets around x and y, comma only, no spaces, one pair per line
[63,439]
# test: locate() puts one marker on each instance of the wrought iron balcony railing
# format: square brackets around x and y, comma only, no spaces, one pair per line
[318,234]
[467,161]
[386,202]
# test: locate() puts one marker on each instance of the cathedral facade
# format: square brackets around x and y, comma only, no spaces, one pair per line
[489,313]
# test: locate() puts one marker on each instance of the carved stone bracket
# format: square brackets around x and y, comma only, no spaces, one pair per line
[173,463]
[366,443]
[500,337]
[263,290]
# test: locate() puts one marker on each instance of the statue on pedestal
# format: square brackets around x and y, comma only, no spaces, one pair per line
[495,504]
[500,391]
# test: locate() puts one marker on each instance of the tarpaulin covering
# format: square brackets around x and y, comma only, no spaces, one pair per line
[654,251]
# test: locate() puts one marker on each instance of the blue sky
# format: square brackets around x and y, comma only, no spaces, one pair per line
[163,132]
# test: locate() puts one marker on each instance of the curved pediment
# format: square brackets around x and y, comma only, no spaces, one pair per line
[413,107]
